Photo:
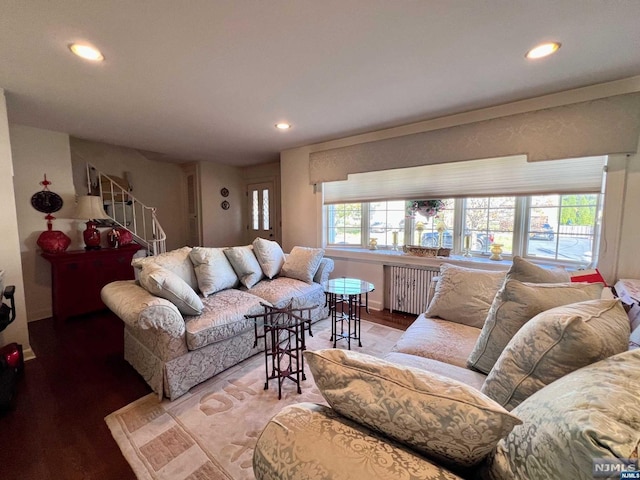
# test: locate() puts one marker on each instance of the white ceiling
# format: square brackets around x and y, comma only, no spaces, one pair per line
[208,79]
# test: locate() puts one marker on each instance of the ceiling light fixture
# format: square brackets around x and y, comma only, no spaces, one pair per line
[87,52]
[543,50]
[283,126]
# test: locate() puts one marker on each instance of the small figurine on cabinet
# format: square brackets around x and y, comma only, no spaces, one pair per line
[113,238]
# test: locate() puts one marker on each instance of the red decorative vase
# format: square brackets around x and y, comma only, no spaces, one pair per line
[91,236]
[53,241]
[125,237]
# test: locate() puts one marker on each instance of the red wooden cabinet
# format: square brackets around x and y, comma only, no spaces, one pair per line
[78,276]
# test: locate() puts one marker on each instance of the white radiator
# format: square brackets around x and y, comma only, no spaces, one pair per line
[410,288]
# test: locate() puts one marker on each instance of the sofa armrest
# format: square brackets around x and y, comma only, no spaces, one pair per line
[308,437]
[154,321]
[325,268]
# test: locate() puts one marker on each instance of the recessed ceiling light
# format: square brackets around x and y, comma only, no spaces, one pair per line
[87,52]
[283,126]
[543,50]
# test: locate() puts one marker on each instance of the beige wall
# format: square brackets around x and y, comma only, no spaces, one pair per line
[10,244]
[156,184]
[302,208]
[36,152]
[220,227]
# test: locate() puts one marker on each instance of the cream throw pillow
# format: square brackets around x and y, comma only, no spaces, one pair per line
[302,263]
[526,271]
[464,295]
[213,270]
[165,284]
[245,264]
[437,416]
[270,256]
[176,261]
[592,413]
[515,304]
[554,343]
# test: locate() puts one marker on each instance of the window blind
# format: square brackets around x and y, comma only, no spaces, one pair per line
[501,176]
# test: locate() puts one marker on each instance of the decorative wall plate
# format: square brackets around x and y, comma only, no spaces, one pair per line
[46,201]
[224,192]
[225,205]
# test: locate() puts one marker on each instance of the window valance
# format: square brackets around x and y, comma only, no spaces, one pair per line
[596,127]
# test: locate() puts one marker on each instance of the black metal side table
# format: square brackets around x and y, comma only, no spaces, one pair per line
[344,296]
[283,331]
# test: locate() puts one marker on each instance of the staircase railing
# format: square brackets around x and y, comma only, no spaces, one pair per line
[127,212]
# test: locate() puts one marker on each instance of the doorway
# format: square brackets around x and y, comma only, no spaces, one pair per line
[262,215]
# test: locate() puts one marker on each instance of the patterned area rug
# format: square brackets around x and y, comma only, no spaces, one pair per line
[210,432]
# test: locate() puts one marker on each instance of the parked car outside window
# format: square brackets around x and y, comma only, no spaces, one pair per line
[545,233]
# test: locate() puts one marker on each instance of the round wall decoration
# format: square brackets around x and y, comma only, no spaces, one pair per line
[46,201]
[225,205]
[224,192]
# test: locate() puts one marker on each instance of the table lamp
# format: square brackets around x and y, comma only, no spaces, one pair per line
[90,208]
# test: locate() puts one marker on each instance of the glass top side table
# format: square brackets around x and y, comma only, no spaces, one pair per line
[344,296]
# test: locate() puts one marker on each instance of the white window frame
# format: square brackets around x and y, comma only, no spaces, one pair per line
[520,231]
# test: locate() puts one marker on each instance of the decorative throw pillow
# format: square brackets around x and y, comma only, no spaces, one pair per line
[526,271]
[588,415]
[302,263]
[515,304]
[464,295]
[165,284]
[270,256]
[245,264]
[554,343]
[438,416]
[176,261]
[213,270]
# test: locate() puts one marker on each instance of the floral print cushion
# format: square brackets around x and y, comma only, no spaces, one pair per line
[554,343]
[245,264]
[176,261]
[280,291]
[442,418]
[270,256]
[313,442]
[464,295]
[223,317]
[166,284]
[515,304]
[302,263]
[213,270]
[525,271]
[432,338]
[590,414]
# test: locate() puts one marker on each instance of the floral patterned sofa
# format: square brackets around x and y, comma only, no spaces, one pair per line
[516,376]
[185,314]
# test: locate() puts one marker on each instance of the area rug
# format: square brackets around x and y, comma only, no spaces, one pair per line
[210,432]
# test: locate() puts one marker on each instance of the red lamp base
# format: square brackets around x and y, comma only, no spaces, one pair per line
[91,236]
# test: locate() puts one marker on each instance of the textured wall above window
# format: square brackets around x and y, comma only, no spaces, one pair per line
[596,127]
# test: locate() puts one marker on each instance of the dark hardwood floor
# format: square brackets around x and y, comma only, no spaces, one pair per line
[56,429]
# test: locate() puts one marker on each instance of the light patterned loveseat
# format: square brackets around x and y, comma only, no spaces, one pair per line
[185,315]
[553,392]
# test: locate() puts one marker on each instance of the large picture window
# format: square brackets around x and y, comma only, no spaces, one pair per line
[544,210]
[561,228]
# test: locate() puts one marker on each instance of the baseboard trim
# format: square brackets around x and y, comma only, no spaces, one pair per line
[28,354]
